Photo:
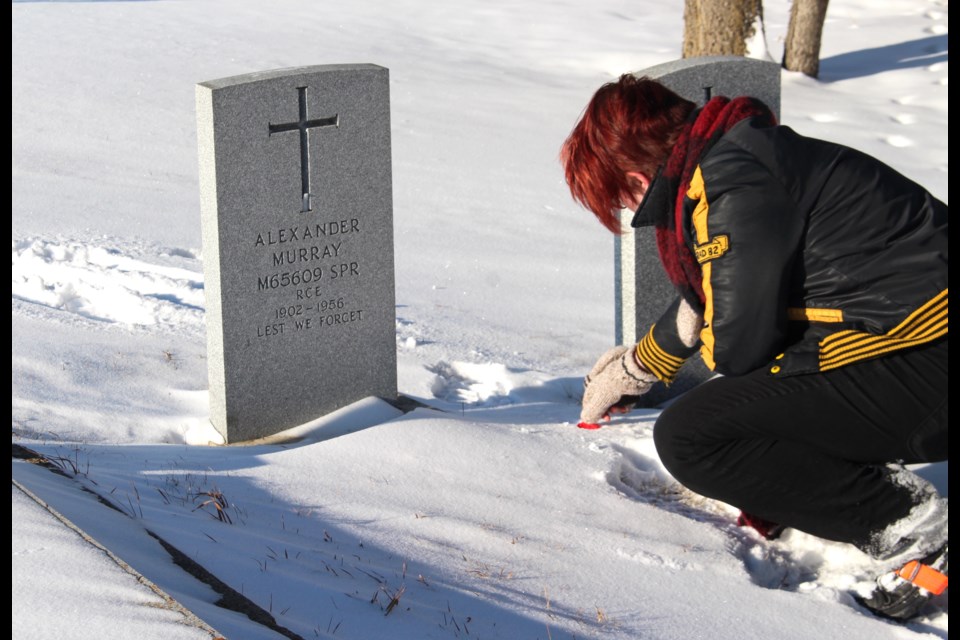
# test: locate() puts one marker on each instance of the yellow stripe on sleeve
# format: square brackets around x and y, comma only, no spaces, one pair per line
[656,360]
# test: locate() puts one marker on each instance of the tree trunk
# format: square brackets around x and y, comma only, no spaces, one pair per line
[801,51]
[719,27]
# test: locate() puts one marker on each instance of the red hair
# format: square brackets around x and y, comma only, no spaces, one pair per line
[629,125]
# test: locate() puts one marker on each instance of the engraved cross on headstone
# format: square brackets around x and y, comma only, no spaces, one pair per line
[303,126]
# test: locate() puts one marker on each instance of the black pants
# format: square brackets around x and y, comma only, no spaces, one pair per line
[809,451]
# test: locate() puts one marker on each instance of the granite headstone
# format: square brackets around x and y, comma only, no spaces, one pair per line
[297,230]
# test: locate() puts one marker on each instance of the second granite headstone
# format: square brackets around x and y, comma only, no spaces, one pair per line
[643,291]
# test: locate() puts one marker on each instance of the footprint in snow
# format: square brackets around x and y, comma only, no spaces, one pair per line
[108,284]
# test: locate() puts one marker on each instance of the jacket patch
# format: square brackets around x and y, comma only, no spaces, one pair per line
[713,249]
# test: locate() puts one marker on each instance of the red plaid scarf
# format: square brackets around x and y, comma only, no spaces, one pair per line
[712,121]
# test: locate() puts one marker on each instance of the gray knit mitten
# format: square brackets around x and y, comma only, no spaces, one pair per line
[616,375]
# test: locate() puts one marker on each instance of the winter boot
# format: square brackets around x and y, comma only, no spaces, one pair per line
[915,549]
[902,594]
[767,529]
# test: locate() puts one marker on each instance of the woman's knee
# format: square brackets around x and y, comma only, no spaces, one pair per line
[675,438]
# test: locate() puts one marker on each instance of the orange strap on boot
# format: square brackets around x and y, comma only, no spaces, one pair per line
[924,577]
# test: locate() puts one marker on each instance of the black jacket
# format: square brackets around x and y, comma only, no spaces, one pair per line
[813,255]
